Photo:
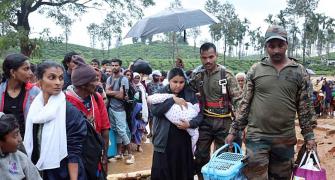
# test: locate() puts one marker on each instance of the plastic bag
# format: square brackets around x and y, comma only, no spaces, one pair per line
[309,165]
[308,171]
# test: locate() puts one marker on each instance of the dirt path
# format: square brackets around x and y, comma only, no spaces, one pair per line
[142,162]
[325,138]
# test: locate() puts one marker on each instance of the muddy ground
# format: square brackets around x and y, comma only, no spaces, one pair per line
[325,137]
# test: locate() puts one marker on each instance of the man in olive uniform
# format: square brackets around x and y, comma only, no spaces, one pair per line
[276,89]
[219,91]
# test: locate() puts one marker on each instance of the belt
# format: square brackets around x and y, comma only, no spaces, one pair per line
[217,110]
[208,113]
[215,104]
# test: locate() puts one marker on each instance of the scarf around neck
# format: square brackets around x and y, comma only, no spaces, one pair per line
[54,141]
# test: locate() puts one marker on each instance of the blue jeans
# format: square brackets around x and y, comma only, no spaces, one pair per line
[119,124]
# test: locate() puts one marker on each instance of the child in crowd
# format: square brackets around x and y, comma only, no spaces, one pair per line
[13,164]
[177,113]
[319,105]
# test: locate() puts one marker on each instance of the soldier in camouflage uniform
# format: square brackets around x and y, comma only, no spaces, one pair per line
[219,91]
[276,89]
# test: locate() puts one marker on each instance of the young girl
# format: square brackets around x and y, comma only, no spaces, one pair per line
[14,164]
[177,113]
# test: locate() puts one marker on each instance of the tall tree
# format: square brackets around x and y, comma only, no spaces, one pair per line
[270,19]
[242,29]
[302,8]
[321,33]
[330,34]
[93,30]
[17,12]
[194,33]
[174,37]
[253,39]
[257,40]
[227,27]
[112,26]
[293,36]
[65,21]
[282,19]
[311,32]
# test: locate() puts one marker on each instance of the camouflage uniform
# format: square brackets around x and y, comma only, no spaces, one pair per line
[268,108]
[214,128]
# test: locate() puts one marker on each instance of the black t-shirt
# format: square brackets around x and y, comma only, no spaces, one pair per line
[15,106]
[88,103]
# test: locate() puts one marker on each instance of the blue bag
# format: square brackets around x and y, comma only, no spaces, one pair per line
[225,165]
[112,144]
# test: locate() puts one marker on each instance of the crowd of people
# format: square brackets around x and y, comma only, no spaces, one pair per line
[324,97]
[60,117]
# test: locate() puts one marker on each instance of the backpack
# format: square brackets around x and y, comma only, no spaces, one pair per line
[128,104]
[92,152]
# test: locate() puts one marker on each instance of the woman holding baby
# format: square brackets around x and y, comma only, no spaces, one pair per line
[173,157]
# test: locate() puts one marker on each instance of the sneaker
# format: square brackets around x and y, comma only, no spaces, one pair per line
[139,149]
[131,159]
[119,157]
[126,153]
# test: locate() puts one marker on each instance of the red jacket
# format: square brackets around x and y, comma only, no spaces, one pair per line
[31,92]
[98,110]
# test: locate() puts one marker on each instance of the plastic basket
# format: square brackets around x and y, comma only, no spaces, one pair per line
[225,165]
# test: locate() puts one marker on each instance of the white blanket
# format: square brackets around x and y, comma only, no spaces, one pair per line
[176,113]
[54,141]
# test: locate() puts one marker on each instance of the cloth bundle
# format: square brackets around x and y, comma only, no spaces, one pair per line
[176,113]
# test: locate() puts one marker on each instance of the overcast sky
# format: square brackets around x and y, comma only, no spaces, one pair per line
[254,10]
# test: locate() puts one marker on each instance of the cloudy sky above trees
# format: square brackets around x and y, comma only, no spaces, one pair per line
[255,11]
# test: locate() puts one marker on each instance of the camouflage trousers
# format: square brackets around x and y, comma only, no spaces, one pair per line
[211,130]
[269,158]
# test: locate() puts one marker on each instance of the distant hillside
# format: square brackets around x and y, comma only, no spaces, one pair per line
[156,50]
[159,54]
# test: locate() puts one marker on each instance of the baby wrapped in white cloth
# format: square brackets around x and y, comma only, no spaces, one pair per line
[176,113]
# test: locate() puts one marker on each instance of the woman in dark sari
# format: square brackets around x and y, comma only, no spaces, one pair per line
[173,157]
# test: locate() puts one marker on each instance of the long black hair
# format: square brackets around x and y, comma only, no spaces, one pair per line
[44,66]
[176,72]
[8,123]
[12,62]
